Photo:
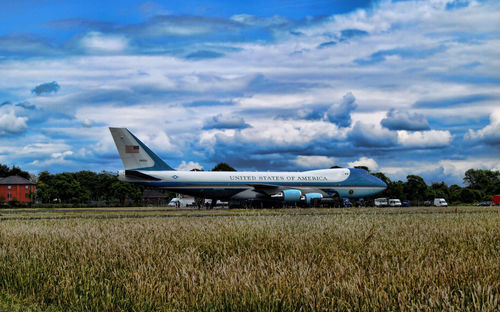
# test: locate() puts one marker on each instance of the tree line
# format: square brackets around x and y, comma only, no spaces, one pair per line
[91,188]
[481,185]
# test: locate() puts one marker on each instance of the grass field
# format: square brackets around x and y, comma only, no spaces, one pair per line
[233,260]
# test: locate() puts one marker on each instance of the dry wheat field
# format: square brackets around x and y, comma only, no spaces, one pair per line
[285,261]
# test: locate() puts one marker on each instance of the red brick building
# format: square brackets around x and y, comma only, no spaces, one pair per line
[16,187]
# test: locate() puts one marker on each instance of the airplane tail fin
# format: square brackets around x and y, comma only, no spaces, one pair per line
[136,155]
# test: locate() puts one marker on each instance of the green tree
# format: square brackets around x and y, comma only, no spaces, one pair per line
[397,190]
[440,190]
[416,188]
[455,191]
[486,181]
[45,177]
[88,183]
[44,190]
[103,187]
[223,167]
[6,171]
[66,188]
[123,191]
[468,196]
[83,186]
[17,171]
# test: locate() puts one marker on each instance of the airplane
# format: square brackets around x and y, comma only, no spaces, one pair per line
[144,167]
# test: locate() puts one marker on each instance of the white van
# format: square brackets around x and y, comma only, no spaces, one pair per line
[440,202]
[380,202]
[182,202]
[394,202]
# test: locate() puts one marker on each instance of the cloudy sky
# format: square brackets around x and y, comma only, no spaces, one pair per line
[404,87]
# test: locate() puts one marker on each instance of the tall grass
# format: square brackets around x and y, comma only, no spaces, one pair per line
[414,262]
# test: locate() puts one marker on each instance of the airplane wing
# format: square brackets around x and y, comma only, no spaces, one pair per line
[266,189]
[139,175]
[270,189]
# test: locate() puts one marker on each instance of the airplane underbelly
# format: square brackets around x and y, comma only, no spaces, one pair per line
[247,194]
[219,193]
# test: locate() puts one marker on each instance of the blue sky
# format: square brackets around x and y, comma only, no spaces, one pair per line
[404,87]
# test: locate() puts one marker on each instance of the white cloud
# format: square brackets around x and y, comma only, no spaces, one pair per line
[187,166]
[45,154]
[365,161]
[12,124]
[42,149]
[371,135]
[259,21]
[450,170]
[489,134]
[58,158]
[339,113]
[221,121]
[277,133]
[98,42]
[61,155]
[435,53]
[458,167]
[425,139]
[87,123]
[314,161]
[404,120]
[161,141]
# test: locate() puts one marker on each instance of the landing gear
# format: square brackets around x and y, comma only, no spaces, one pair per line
[213,203]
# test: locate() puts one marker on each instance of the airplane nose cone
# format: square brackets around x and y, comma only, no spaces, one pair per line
[378,182]
[361,176]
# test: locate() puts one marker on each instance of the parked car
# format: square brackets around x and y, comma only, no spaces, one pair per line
[485,203]
[405,204]
[427,203]
[440,202]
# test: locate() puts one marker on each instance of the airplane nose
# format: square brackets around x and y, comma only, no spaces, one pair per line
[360,176]
[378,182]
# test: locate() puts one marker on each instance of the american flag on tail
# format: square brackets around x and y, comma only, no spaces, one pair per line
[132,149]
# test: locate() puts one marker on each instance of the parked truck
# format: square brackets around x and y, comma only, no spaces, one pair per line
[496,200]
[440,202]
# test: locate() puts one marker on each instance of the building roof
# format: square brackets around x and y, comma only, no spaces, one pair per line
[15,180]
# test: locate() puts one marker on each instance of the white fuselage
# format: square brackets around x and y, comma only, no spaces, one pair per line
[339,180]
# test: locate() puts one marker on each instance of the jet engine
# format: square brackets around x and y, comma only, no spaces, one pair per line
[289,195]
[313,196]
